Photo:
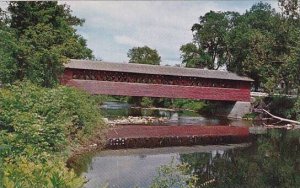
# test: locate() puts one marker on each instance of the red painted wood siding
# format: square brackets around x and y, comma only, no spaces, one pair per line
[159,90]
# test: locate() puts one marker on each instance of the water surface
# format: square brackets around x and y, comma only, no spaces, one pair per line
[271,159]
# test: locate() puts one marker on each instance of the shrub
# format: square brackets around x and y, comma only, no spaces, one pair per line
[282,106]
[189,104]
[45,118]
[37,126]
[147,102]
[297,109]
[50,173]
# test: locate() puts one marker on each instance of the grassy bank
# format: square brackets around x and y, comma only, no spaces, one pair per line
[39,129]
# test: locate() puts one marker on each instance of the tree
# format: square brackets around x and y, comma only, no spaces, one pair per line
[253,44]
[261,43]
[291,22]
[144,55]
[46,38]
[8,51]
[209,48]
[290,8]
[194,57]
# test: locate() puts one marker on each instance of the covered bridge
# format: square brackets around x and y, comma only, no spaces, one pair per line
[98,77]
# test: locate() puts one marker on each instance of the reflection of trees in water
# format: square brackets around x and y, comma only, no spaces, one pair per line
[272,161]
[80,163]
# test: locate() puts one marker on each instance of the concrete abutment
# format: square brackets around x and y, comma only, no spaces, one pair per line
[234,110]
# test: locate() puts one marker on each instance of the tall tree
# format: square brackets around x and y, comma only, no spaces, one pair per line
[209,48]
[251,44]
[290,68]
[144,55]
[261,44]
[46,38]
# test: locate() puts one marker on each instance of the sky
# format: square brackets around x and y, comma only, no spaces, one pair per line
[111,28]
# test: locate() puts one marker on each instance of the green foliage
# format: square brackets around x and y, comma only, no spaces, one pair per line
[144,55]
[249,116]
[188,104]
[194,105]
[283,106]
[209,49]
[147,102]
[193,56]
[8,51]
[100,99]
[41,37]
[174,176]
[261,43]
[45,118]
[50,173]
[290,8]
[297,109]
[37,126]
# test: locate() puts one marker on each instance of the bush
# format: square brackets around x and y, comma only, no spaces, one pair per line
[297,109]
[51,173]
[45,118]
[189,104]
[147,102]
[37,126]
[282,106]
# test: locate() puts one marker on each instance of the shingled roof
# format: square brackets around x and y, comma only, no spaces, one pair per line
[153,69]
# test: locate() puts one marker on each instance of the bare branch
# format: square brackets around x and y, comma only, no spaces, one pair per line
[280,118]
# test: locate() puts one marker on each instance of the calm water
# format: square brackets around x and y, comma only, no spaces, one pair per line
[270,160]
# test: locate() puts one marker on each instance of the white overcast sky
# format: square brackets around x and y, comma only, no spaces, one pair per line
[112,28]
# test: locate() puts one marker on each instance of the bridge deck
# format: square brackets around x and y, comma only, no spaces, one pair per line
[133,136]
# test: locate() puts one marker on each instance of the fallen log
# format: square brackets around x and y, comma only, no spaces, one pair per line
[279,118]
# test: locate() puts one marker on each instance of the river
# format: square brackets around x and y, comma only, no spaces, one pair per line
[269,160]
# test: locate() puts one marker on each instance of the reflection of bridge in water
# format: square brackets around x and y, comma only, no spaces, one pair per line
[138,136]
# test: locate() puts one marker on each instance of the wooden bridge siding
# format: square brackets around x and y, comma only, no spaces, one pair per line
[151,79]
[160,90]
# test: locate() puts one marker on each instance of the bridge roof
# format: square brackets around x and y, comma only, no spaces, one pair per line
[153,69]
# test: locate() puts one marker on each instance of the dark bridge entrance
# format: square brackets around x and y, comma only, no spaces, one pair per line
[97,77]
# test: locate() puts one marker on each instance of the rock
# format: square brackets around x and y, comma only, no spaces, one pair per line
[105,120]
[174,117]
[93,145]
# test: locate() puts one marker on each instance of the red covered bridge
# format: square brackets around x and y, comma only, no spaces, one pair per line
[98,77]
